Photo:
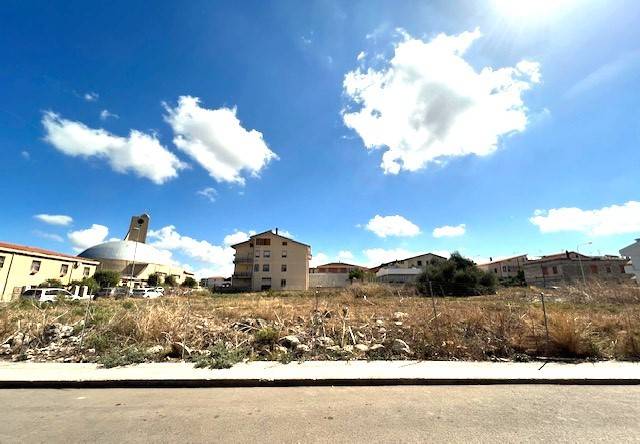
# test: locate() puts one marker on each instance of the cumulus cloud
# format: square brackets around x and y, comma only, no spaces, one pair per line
[49,236]
[83,239]
[216,139]
[91,96]
[345,255]
[319,259]
[218,258]
[615,219]
[377,256]
[208,193]
[105,114]
[139,152]
[449,231]
[26,155]
[237,237]
[397,225]
[54,219]
[429,104]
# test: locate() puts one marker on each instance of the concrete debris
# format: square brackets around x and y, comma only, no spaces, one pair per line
[155,350]
[302,348]
[379,323]
[375,347]
[362,347]
[399,315]
[290,341]
[324,341]
[399,346]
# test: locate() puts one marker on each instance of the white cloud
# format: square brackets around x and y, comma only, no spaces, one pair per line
[50,236]
[286,233]
[616,219]
[397,225]
[361,56]
[141,153]
[105,114]
[208,193]
[430,104]
[318,259]
[54,219]
[216,139]
[377,256]
[91,96]
[83,239]
[345,255]
[237,237]
[220,257]
[25,155]
[449,231]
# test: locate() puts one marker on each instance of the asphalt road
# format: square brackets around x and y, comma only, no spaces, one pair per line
[549,413]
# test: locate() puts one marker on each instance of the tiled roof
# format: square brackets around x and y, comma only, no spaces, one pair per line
[41,251]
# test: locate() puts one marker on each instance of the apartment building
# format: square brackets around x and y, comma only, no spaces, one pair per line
[632,253]
[22,267]
[402,271]
[269,261]
[570,267]
[505,268]
[420,261]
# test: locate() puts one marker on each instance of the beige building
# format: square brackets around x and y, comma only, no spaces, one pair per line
[133,258]
[507,267]
[420,261]
[268,261]
[22,267]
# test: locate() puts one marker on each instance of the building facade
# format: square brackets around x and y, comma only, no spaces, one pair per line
[332,275]
[632,253]
[268,261]
[570,267]
[421,261]
[22,267]
[505,268]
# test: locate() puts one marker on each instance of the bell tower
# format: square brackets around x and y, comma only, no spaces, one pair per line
[138,228]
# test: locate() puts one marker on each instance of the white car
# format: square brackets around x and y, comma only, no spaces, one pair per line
[146,293]
[47,294]
[159,290]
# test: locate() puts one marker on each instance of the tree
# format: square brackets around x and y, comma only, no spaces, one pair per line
[170,280]
[189,282]
[153,280]
[106,278]
[457,276]
[356,273]
[89,282]
[51,283]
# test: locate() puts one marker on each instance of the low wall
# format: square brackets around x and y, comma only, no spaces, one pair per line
[328,280]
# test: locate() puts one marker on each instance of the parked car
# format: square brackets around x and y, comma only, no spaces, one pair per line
[113,292]
[160,289]
[146,293]
[47,294]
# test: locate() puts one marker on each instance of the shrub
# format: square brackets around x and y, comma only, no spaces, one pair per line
[221,357]
[189,282]
[89,282]
[266,336]
[170,281]
[51,283]
[457,276]
[356,274]
[153,280]
[106,278]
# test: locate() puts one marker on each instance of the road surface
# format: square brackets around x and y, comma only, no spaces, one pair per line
[497,413]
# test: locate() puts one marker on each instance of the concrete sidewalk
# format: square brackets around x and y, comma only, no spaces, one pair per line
[317,373]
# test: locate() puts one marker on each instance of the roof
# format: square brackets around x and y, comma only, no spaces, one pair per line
[563,256]
[274,234]
[42,252]
[409,258]
[504,259]
[339,264]
[126,250]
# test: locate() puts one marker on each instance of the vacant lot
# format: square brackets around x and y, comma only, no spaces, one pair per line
[361,322]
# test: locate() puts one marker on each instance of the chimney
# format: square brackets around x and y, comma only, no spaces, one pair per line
[276,230]
[490,259]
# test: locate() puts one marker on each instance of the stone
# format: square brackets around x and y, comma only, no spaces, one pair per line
[178,349]
[398,323]
[290,341]
[382,330]
[280,349]
[379,323]
[375,347]
[325,341]
[399,315]
[399,346]
[334,348]
[348,348]
[302,348]
[65,331]
[155,350]
[362,347]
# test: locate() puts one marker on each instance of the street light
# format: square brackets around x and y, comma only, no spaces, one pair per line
[135,249]
[584,281]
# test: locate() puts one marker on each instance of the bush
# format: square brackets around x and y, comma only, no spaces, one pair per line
[356,274]
[170,281]
[153,280]
[51,283]
[88,282]
[106,278]
[457,276]
[266,336]
[189,282]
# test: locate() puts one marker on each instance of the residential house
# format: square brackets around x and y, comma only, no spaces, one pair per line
[22,267]
[403,271]
[571,267]
[632,253]
[332,275]
[505,268]
[214,282]
[269,261]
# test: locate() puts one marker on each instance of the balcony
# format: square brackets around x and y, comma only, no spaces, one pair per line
[243,260]
[242,275]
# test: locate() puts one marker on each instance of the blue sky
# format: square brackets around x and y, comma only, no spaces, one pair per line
[359,127]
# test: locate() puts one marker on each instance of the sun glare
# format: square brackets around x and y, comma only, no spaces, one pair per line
[531,9]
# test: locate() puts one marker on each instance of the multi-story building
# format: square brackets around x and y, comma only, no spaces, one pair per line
[22,267]
[632,253]
[406,270]
[570,267]
[214,282]
[269,261]
[505,268]
[420,261]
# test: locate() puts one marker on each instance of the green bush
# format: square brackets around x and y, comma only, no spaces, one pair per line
[170,281]
[88,282]
[107,279]
[189,282]
[457,276]
[266,336]
[51,283]
[153,280]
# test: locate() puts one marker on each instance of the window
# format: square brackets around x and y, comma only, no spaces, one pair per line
[495,270]
[284,253]
[265,267]
[64,269]
[86,271]
[257,253]
[1,261]
[594,269]
[508,267]
[35,266]
[554,269]
[283,267]
[621,268]
[263,241]
[545,271]
[256,267]
[419,263]
[267,253]
[283,283]
[284,243]
[504,268]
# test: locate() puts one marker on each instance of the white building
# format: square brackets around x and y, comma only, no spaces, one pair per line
[633,253]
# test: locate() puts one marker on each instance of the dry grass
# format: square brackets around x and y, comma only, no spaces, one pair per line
[602,322]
